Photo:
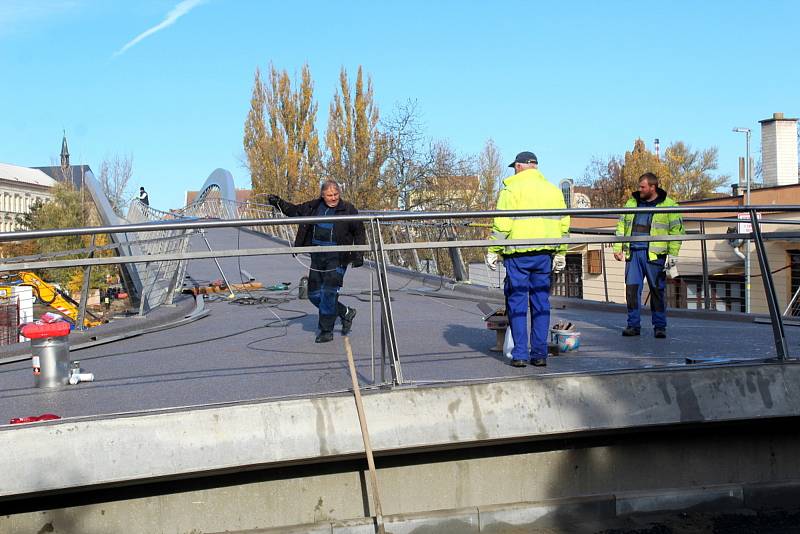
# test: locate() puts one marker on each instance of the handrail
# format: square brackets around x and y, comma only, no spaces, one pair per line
[386,216]
[380,249]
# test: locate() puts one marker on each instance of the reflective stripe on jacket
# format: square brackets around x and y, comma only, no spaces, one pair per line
[529,190]
[662,224]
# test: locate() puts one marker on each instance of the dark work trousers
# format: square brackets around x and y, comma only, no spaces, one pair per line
[325,278]
[528,284]
[637,269]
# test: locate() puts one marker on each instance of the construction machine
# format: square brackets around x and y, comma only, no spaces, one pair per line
[52,296]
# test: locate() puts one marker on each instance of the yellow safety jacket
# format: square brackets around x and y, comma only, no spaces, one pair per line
[529,190]
[661,224]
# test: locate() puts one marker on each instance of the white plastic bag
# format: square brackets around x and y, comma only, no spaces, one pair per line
[508,343]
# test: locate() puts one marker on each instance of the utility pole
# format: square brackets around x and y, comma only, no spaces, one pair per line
[748,177]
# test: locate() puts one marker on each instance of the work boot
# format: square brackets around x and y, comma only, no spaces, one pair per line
[539,362]
[631,331]
[324,337]
[661,332]
[519,363]
[347,320]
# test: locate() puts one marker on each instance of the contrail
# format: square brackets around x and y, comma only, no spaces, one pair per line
[177,12]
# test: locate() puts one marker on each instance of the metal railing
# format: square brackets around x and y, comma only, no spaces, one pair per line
[380,249]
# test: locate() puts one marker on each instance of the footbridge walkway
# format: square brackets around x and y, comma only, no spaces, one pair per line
[233,419]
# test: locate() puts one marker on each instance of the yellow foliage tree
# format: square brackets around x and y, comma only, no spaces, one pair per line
[636,163]
[280,137]
[357,148]
[690,171]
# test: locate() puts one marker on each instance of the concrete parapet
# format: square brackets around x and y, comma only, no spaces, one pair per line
[181,443]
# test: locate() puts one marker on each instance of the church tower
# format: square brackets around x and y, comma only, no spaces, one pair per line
[66,171]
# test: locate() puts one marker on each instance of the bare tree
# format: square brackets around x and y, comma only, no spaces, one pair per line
[604,176]
[410,158]
[115,173]
[490,171]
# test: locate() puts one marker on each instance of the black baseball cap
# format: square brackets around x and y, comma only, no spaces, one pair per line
[525,157]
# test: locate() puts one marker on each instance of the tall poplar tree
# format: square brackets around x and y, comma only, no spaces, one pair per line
[490,170]
[280,137]
[357,148]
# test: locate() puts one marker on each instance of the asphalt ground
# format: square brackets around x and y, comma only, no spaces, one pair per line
[260,345]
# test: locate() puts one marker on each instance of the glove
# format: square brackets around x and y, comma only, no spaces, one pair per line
[273,200]
[358,261]
[671,266]
[491,260]
[559,263]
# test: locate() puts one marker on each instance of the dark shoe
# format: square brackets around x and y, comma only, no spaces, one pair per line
[539,362]
[347,321]
[631,331]
[661,333]
[324,337]
[519,363]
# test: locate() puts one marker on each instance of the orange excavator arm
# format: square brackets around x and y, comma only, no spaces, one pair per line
[53,297]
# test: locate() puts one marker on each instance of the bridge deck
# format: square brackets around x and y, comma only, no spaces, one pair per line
[266,350]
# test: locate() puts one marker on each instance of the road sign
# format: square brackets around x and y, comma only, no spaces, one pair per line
[744,226]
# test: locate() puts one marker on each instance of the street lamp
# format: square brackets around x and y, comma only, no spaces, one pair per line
[746,131]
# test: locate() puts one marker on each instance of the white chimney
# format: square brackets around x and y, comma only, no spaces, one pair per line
[779,150]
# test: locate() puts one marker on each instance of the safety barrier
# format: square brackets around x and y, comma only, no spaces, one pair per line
[376,227]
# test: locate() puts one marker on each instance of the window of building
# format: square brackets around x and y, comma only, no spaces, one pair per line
[725,293]
[569,282]
[566,190]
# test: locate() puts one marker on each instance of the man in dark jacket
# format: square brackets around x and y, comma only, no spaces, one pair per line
[326,274]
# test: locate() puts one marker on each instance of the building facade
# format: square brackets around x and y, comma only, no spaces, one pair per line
[21,188]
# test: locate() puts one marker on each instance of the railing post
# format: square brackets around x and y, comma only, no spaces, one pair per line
[459,271]
[778,332]
[605,275]
[704,255]
[87,273]
[386,302]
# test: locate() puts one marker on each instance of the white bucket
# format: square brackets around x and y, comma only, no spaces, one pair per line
[567,340]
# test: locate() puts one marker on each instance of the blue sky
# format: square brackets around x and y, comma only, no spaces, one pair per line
[568,80]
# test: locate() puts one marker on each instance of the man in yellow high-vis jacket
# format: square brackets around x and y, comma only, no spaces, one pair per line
[529,266]
[648,260]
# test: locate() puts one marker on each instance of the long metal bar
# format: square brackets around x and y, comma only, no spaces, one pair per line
[386,305]
[374,251]
[372,325]
[219,267]
[87,274]
[389,216]
[605,275]
[747,288]
[704,256]
[11,266]
[778,330]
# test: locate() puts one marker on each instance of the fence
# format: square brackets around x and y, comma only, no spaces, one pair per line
[377,227]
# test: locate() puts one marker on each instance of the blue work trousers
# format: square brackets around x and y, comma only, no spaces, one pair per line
[528,284]
[325,279]
[637,269]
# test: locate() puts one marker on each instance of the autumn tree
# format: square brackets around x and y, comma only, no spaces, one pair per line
[66,209]
[690,175]
[115,175]
[357,147]
[639,161]
[281,142]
